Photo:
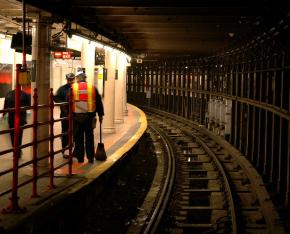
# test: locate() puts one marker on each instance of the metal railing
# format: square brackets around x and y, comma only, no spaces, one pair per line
[34,162]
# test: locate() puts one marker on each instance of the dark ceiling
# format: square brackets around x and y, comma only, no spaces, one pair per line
[152,28]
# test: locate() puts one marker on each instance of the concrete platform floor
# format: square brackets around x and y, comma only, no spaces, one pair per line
[116,145]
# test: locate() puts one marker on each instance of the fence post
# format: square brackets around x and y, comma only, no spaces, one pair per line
[70,131]
[14,206]
[51,140]
[34,147]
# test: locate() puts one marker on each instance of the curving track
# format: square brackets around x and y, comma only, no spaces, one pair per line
[208,187]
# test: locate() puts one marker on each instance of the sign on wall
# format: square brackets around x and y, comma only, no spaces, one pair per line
[5,79]
[62,54]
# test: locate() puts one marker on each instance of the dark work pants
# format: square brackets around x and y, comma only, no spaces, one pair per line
[83,136]
[64,130]
[11,125]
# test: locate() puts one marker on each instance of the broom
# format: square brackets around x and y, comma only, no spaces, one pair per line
[100,152]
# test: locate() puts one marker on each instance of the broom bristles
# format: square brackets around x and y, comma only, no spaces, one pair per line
[100,152]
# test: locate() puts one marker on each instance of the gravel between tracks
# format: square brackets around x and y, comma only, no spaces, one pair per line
[118,205]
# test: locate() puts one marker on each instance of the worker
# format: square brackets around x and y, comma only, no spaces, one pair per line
[86,103]
[9,102]
[62,95]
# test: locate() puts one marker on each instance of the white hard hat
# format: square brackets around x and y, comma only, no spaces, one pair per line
[81,74]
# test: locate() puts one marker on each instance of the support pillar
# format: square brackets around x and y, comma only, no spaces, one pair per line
[88,60]
[119,88]
[41,79]
[125,109]
[109,94]
[100,79]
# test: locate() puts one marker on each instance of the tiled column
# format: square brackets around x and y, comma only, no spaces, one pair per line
[109,94]
[88,60]
[41,58]
[125,109]
[119,88]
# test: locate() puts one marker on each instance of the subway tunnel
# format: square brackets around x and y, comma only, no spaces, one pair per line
[223,65]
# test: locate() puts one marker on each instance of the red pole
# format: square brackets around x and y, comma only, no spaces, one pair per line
[51,139]
[70,131]
[14,207]
[23,36]
[34,156]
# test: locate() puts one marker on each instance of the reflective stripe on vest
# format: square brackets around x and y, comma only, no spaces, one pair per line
[84,97]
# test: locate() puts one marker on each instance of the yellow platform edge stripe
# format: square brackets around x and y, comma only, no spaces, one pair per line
[103,166]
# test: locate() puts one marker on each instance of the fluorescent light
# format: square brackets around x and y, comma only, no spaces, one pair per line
[98,44]
[79,38]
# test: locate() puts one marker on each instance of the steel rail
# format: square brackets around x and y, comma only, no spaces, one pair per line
[267,207]
[228,187]
[162,202]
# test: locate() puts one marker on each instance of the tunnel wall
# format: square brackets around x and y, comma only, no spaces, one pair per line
[241,95]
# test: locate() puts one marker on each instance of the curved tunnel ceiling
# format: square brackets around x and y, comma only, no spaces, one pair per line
[152,28]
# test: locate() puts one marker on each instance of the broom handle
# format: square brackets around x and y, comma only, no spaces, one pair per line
[100,132]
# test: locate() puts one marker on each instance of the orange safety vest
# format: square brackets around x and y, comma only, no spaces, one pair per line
[84,97]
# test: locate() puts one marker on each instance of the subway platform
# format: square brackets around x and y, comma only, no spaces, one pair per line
[71,193]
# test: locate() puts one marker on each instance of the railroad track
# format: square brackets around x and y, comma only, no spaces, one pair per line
[209,187]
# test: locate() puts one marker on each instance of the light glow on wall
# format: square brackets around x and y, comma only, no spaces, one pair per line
[75,42]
